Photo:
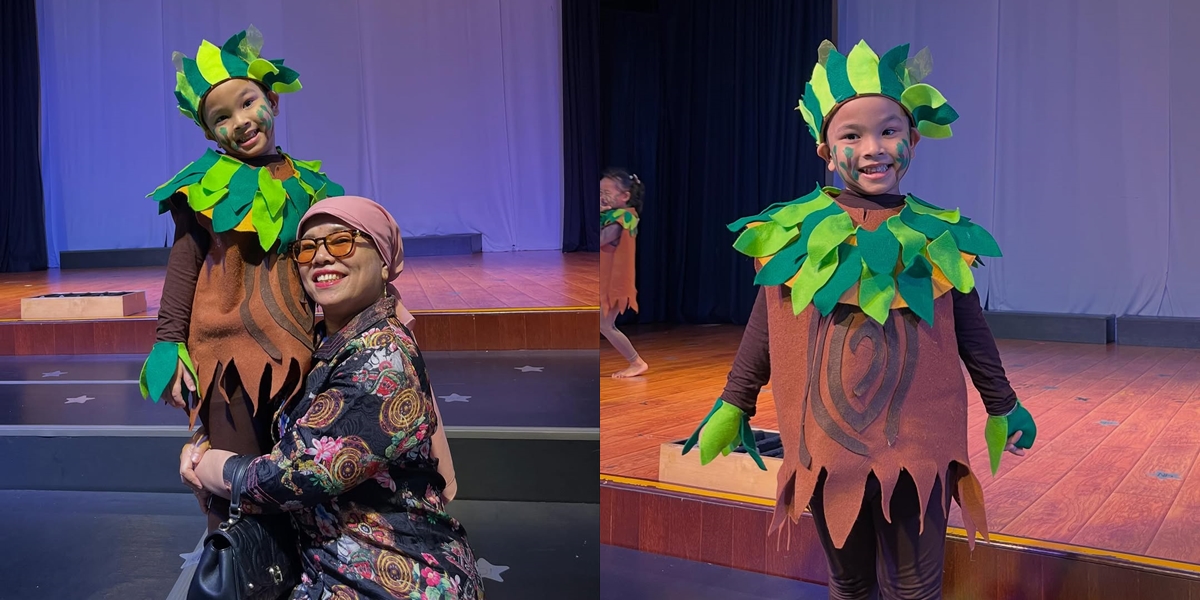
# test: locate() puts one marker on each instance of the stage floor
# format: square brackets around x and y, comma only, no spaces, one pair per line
[1118,434]
[495,280]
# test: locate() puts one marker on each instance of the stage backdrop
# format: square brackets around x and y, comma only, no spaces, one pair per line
[447,112]
[1076,146]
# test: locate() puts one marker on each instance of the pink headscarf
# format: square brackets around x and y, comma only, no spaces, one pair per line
[374,220]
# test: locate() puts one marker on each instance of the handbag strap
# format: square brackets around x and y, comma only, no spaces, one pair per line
[237,481]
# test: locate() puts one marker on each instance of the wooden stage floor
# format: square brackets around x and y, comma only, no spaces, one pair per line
[429,283]
[489,301]
[1115,466]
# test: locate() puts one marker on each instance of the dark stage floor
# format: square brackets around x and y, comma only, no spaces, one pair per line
[632,575]
[475,389]
[102,545]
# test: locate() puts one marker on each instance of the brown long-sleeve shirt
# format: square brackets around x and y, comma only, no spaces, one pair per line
[976,347]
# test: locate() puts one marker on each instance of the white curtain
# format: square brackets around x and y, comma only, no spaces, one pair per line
[1074,145]
[447,112]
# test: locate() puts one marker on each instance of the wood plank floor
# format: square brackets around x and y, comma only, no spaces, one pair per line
[501,280]
[1115,466]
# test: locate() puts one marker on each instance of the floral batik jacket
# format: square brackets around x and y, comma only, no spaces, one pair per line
[352,466]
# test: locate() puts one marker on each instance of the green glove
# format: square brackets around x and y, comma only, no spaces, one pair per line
[998,430]
[724,429]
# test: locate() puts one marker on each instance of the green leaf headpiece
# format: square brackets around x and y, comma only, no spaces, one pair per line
[837,78]
[237,58]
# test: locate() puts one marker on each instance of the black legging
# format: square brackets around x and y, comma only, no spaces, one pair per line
[882,560]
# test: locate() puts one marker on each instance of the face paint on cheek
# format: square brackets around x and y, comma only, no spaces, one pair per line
[845,165]
[223,137]
[902,155]
[265,118]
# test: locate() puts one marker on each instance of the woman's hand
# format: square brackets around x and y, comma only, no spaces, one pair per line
[211,472]
[189,457]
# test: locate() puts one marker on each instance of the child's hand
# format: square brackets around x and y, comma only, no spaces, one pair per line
[1011,446]
[181,375]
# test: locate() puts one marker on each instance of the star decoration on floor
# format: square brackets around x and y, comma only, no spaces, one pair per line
[489,571]
[54,374]
[79,399]
[529,369]
[455,398]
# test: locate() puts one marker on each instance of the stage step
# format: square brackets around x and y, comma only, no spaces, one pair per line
[523,425]
[128,545]
[512,464]
[632,574]
[467,329]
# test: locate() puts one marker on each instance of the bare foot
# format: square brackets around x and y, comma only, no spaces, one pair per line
[633,370]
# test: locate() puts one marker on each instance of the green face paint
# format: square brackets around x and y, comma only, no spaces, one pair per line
[265,118]
[902,157]
[845,165]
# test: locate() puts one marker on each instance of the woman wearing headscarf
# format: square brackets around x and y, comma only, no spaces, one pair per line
[354,460]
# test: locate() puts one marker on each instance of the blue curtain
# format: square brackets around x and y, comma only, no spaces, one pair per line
[22,218]
[581,115]
[697,98]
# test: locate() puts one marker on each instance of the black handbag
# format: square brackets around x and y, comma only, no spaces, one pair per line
[249,557]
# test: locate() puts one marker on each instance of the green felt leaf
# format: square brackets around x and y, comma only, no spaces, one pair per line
[844,276]
[930,227]
[158,369]
[1021,420]
[334,189]
[973,239]
[875,294]
[193,172]
[828,234]
[994,433]
[268,228]
[916,287]
[813,275]
[933,131]
[314,166]
[722,429]
[944,253]
[747,440]
[889,82]
[923,208]
[765,240]
[272,190]
[880,249]
[199,199]
[942,115]
[793,214]
[862,69]
[839,80]
[228,214]
[911,241]
[222,172]
[813,104]
[242,187]
[695,437]
[921,94]
[783,266]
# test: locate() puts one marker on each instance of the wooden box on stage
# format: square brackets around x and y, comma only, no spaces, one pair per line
[735,474]
[83,305]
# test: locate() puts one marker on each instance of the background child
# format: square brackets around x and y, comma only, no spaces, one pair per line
[620,202]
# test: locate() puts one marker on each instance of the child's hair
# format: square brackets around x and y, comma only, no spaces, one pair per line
[628,182]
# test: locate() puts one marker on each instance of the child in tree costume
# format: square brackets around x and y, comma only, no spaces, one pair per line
[867,304]
[234,324]
[620,202]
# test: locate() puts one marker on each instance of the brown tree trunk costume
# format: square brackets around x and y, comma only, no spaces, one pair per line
[618,269]
[248,327]
[868,398]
